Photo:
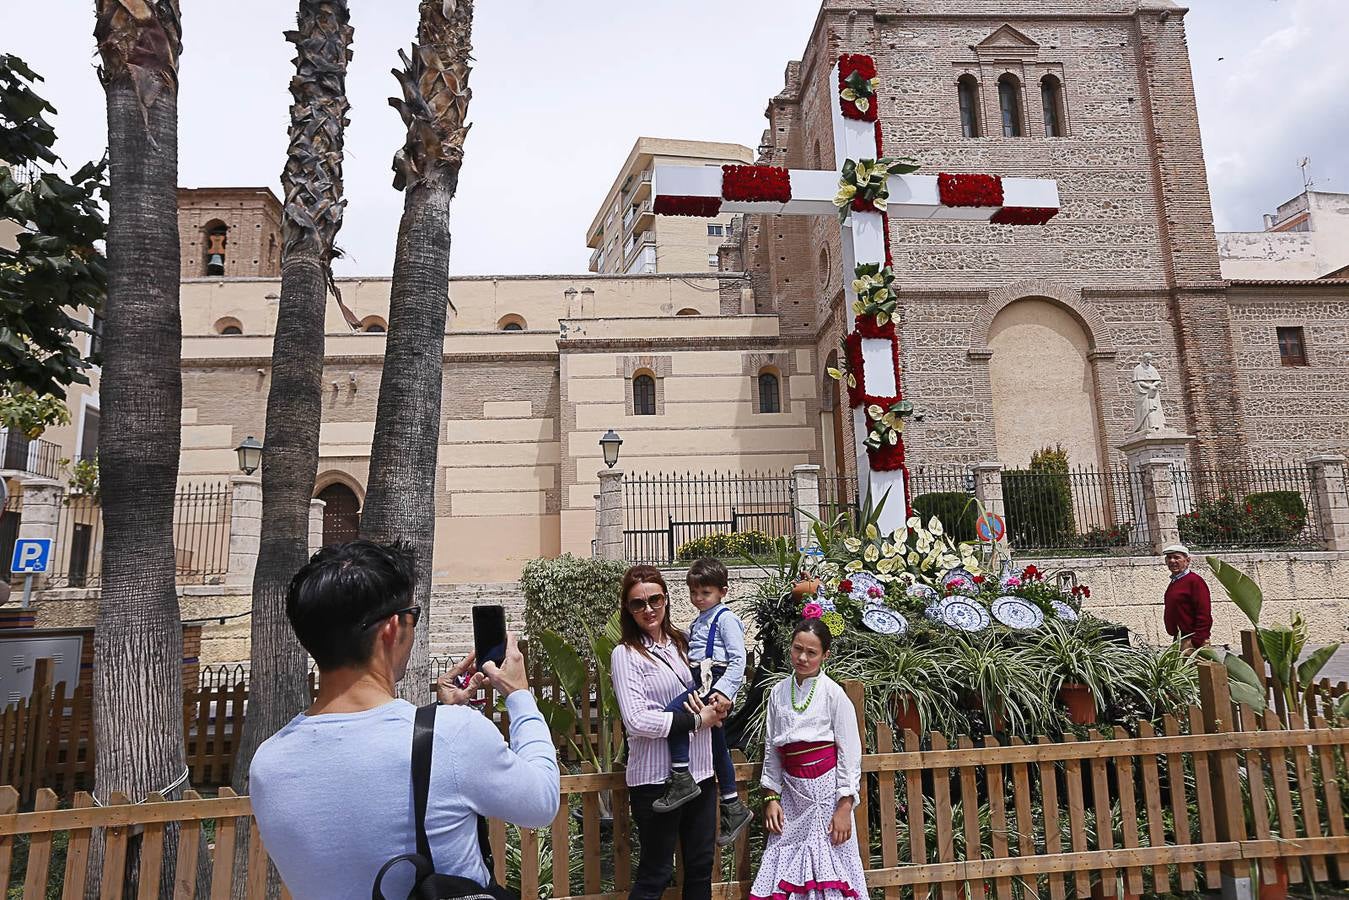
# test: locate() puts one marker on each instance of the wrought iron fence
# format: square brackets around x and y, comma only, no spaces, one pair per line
[31,455]
[663,513]
[1261,506]
[1086,511]
[839,497]
[9,531]
[201,537]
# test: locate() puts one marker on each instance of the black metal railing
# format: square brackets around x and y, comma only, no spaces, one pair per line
[839,497]
[1086,511]
[9,531]
[201,537]
[32,456]
[1255,507]
[664,513]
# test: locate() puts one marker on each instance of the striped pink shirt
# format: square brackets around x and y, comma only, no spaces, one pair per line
[643,688]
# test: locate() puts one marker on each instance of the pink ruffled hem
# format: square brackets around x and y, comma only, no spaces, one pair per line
[786,889]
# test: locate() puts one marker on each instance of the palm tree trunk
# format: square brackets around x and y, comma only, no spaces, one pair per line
[400,500]
[137,678]
[312,178]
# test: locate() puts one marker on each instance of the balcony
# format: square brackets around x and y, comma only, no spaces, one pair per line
[638,217]
[28,457]
[641,188]
[641,239]
[595,260]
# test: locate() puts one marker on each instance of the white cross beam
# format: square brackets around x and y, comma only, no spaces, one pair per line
[701,191]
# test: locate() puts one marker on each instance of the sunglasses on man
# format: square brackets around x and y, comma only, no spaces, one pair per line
[414,611]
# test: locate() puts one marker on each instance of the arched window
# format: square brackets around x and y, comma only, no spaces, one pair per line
[229,325]
[968,90]
[374,325]
[511,322]
[824,268]
[217,235]
[1051,95]
[818,159]
[770,399]
[644,396]
[688,311]
[1009,99]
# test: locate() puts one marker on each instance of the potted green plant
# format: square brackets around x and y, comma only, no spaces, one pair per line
[1002,681]
[1082,666]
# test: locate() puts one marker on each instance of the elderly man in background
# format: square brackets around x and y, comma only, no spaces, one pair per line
[1188,612]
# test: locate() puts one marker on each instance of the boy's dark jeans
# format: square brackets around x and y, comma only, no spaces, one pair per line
[721,754]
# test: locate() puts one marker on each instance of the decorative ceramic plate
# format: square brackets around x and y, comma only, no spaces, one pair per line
[1014,612]
[884,620]
[923,592]
[1063,610]
[965,614]
[960,581]
[861,583]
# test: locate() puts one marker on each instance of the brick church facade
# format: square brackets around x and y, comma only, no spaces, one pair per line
[1004,328]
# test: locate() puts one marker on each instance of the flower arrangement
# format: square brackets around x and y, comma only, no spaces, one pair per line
[864,183]
[876,297]
[857,85]
[756,183]
[887,423]
[1023,215]
[969,190]
[697,207]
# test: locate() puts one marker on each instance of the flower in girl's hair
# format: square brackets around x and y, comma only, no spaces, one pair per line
[812,611]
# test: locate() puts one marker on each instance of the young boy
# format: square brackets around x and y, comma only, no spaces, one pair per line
[717,662]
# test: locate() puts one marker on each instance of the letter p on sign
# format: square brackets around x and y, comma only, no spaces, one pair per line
[31,556]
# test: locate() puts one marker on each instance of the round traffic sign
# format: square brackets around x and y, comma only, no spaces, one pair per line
[990,527]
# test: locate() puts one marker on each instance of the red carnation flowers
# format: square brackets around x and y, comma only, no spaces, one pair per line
[970,190]
[756,184]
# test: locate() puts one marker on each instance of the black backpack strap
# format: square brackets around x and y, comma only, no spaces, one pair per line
[423,737]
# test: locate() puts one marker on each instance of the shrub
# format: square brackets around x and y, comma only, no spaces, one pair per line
[1285,506]
[1039,501]
[730,546]
[1268,518]
[1107,536]
[956,511]
[567,595]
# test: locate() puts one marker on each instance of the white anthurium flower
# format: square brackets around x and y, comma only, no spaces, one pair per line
[848,94]
[872,533]
[934,525]
[862,104]
[901,535]
[882,318]
[871,554]
[854,566]
[886,565]
[858,308]
[914,522]
[914,558]
[874,82]
[923,545]
[893,438]
[853,544]
[852,381]
[888,549]
[859,287]
[874,411]
[880,203]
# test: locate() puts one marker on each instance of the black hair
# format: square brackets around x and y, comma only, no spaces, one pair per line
[817,628]
[335,599]
[708,572]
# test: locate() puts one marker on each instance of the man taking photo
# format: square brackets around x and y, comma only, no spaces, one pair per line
[332,790]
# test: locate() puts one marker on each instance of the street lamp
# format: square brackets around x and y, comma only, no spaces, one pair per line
[250,455]
[610,444]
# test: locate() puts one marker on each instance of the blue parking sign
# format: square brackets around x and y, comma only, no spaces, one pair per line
[31,556]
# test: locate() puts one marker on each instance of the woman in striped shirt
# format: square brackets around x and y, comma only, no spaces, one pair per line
[649,669]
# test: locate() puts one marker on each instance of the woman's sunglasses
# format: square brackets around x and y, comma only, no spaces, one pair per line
[653,603]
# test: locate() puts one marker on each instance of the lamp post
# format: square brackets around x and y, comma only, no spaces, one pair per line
[609,518]
[250,455]
[610,444]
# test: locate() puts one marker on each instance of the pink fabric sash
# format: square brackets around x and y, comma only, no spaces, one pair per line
[809,759]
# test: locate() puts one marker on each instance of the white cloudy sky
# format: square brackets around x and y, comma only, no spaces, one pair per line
[562,89]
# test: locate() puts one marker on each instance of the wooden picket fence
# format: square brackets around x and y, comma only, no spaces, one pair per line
[1218,792]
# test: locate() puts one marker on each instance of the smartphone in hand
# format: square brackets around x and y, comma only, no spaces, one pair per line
[489,634]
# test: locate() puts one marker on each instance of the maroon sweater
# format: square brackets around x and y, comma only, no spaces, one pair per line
[1188,609]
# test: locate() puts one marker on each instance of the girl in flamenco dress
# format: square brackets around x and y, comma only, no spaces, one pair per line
[811,776]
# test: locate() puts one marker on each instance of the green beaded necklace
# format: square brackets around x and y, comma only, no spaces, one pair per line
[811,696]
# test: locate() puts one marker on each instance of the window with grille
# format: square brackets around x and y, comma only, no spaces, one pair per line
[644,395]
[1292,347]
[1051,95]
[1009,99]
[770,399]
[968,90]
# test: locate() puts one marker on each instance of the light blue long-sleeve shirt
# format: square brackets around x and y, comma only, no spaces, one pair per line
[728,650]
[332,793]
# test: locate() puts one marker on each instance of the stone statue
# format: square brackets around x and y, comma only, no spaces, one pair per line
[1148,416]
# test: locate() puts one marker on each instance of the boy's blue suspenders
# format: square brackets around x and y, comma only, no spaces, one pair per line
[712,632]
